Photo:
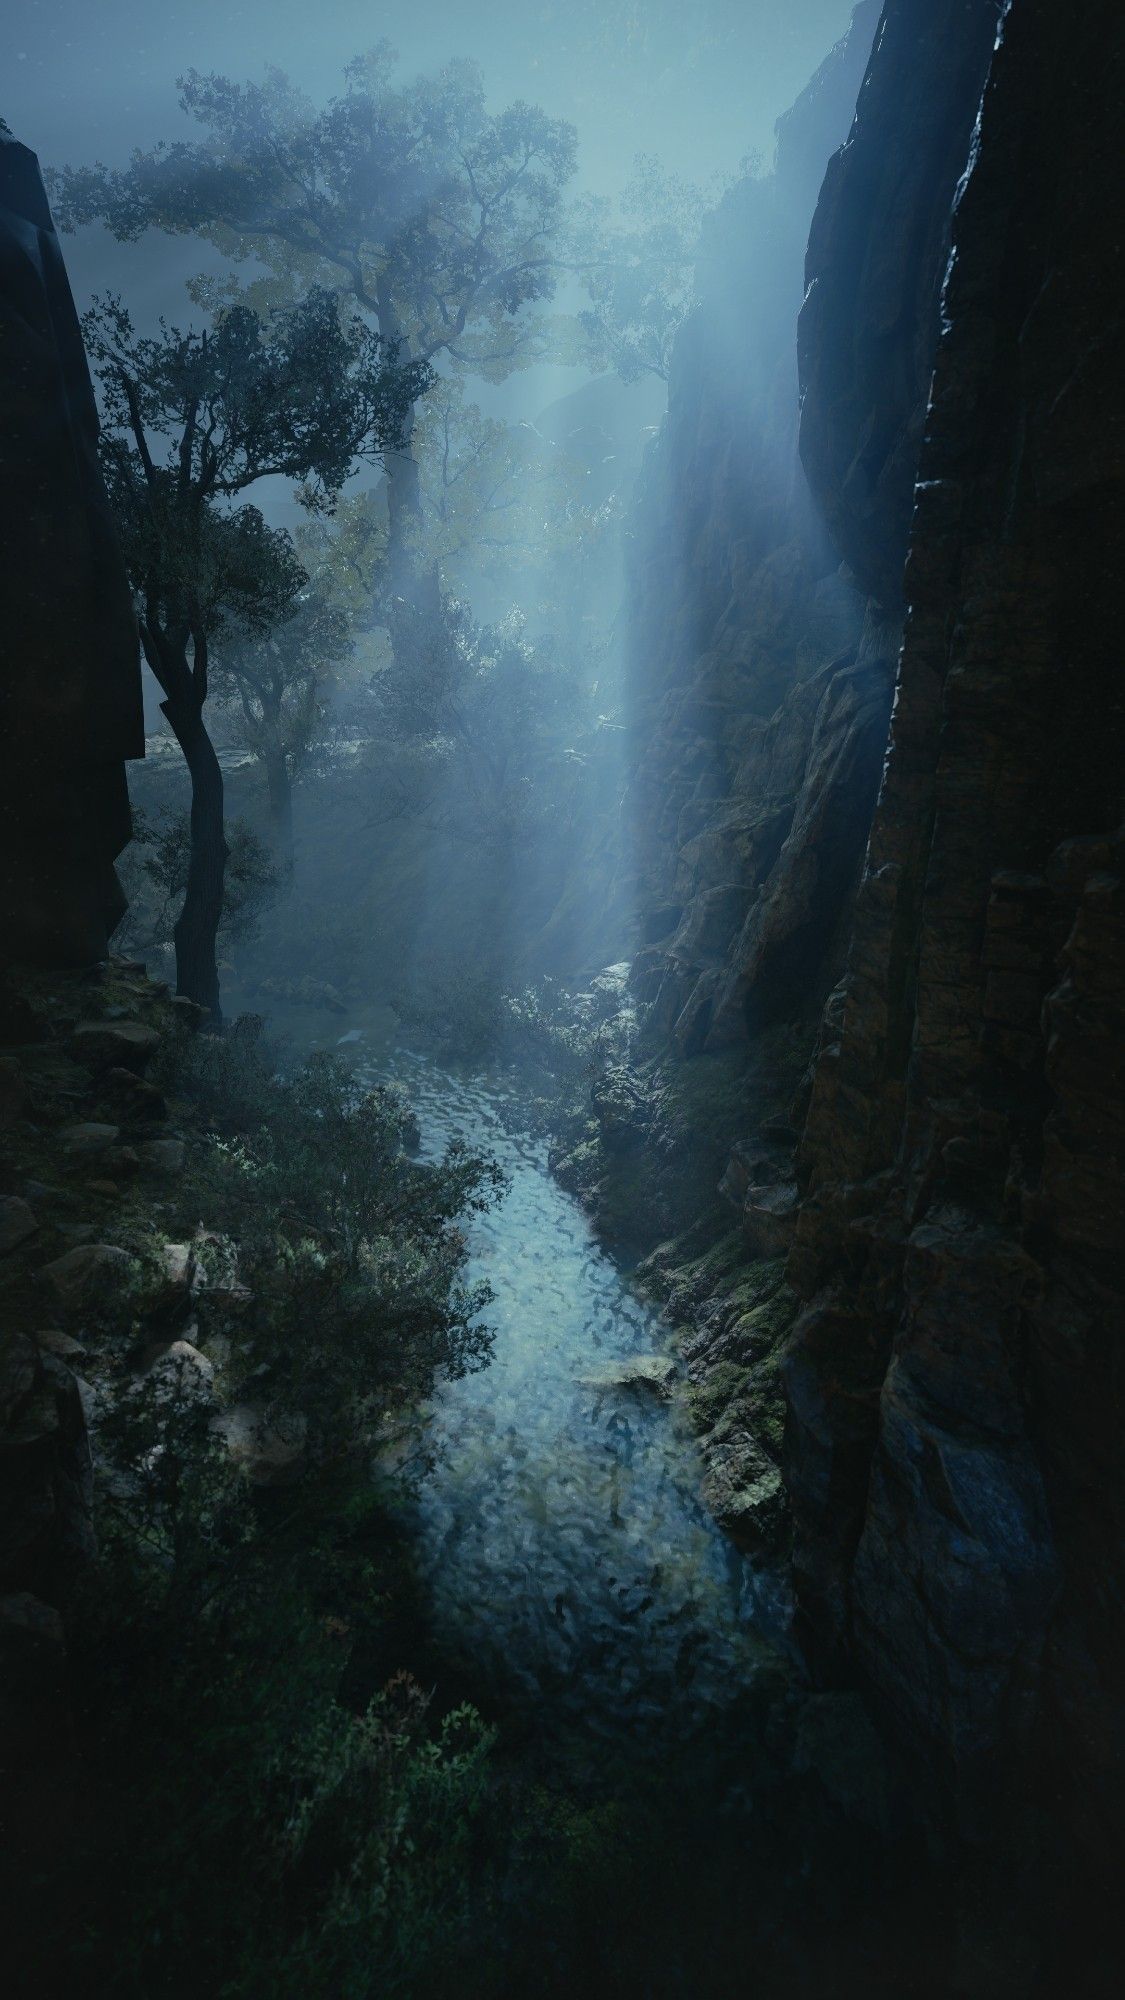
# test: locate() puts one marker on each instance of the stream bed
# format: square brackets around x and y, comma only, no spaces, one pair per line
[560,1539]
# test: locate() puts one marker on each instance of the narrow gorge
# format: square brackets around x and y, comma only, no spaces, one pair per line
[592,1473]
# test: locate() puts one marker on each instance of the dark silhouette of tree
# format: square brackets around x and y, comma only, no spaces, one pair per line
[435,216]
[191,420]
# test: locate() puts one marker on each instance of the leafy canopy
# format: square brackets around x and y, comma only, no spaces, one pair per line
[192,419]
[434,214]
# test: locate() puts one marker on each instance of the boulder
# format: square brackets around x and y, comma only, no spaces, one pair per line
[179,1369]
[168,1283]
[651,1373]
[53,1341]
[84,1140]
[114,1044]
[140,1102]
[17,1223]
[189,1013]
[769,1219]
[270,1450]
[89,1274]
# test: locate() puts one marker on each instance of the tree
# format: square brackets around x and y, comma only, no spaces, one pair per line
[436,217]
[495,500]
[276,682]
[155,872]
[492,713]
[191,420]
[640,275]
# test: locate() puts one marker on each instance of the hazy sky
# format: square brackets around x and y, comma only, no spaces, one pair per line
[698,82]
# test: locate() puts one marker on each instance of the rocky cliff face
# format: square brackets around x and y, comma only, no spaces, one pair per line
[954,1383]
[957,1232]
[759,717]
[70,677]
[877,252]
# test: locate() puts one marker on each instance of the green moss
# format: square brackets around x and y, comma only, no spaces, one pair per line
[740,1393]
[720,1391]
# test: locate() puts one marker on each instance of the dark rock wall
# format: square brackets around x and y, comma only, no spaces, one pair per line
[757,722]
[70,686]
[955,1380]
[877,253]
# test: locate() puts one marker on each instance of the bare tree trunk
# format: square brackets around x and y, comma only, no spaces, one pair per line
[197,971]
[196,928]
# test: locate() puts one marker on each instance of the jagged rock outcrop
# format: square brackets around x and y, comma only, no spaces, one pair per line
[759,719]
[955,1382]
[877,253]
[70,682]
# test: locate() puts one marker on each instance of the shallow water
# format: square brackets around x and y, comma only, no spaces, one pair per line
[560,1537]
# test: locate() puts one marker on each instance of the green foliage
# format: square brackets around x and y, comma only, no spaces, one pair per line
[497,499]
[298,395]
[353,1250]
[191,420]
[237,1635]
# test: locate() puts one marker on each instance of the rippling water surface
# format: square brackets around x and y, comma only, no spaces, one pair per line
[561,1538]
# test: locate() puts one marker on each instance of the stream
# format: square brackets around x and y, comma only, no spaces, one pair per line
[560,1539]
